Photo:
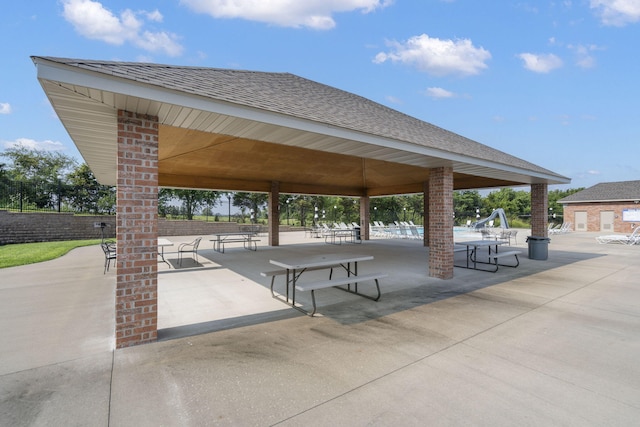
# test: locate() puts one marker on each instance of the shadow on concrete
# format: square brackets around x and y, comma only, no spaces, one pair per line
[407,287]
[225,324]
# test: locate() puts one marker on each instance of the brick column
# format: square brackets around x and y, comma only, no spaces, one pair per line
[365,217]
[425,214]
[441,223]
[274,214]
[539,210]
[137,230]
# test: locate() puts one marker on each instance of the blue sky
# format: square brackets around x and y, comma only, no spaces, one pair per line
[553,82]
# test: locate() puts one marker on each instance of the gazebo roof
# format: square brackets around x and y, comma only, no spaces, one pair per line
[240,130]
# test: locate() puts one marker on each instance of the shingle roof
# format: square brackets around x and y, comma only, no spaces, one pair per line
[295,96]
[606,191]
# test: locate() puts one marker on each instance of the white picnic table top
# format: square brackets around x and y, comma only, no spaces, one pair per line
[314,261]
[478,243]
[164,242]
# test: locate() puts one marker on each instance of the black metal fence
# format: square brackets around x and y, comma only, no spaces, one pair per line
[25,196]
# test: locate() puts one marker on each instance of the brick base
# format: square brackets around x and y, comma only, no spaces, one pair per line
[137,230]
[441,223]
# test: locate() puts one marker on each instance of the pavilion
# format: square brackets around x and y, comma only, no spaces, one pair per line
[141,126]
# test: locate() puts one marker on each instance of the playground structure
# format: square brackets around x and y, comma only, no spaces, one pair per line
[504,223]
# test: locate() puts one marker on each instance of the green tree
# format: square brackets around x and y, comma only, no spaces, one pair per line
[44,171]
[87,195]
[250,202]
[554,196]
[191,200]
[386,209]
[465,204]
[514,203]
[38,166]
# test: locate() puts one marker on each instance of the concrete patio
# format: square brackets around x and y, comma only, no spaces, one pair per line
[551,342]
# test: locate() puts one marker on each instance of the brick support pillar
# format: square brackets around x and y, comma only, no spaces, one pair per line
[365,217]
[441,223]
[137,230]
[274,214]
[425,214]
[539,210]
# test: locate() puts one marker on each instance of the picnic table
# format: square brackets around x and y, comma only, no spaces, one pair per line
[472,248]
[336,236]
[247,238]
[293,268]
[162,243]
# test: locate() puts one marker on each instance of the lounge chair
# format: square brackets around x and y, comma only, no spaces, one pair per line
[189,248]
[415,234]
[564,228]
[392,231]
[621,239]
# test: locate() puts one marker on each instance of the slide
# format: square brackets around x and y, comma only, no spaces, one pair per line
[496,213]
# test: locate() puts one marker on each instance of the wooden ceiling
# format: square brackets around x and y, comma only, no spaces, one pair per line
[196,159]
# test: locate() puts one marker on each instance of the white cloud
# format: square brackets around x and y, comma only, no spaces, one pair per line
[392,99]
[92,20]
[154,16]
[437,57]
[316,14]
[46,145]
[617,12]
[584,57]
[5,108]
[438,92]
[540,63]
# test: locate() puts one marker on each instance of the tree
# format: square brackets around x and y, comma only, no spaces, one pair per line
[191,200]
[514,203]
[387,209]
[42,170]
[554,195]
[252,202]
[38,166]
[87,195]
[465,204]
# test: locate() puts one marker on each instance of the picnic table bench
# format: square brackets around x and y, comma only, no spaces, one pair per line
[336,236]
[471,248]
[294,268]
[247,238]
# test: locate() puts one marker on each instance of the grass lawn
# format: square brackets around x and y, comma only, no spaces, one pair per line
[30,253]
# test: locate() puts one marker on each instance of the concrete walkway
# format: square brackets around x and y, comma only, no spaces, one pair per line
[553,342]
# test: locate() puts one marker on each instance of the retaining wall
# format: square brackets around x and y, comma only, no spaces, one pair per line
[45,227]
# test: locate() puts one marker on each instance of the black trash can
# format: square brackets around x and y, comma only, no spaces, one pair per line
[357,233]
[538,247]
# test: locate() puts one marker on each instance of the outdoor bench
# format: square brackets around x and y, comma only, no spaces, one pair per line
[246,238]
[250,244]
[283,271]
[349,281]
[496,256]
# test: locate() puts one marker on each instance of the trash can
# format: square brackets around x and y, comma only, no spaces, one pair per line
[538,247]
[356,230]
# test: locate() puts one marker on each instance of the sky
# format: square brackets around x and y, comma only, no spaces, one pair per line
[555,83]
